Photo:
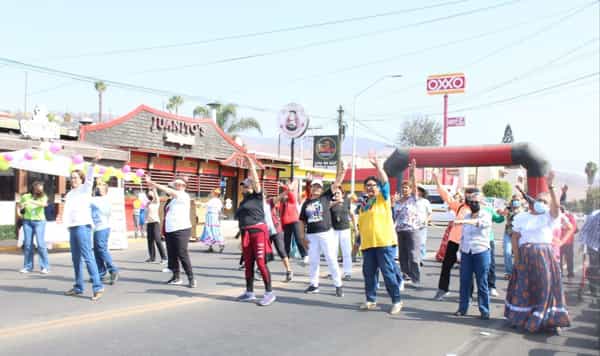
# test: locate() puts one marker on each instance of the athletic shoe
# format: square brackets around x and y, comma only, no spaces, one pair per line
[165,270]
[175,281]
[72,292]
[241,267]
[25,270]
[44,271]
[493,292]
[149,261]
[97,295]
[347,277]
[459,313]
[305,260]
[485,317]
[440,295]
[267,299]
[210,249]
[114,276]
[311,290]
[368,306]
[192,283]
[246,297]
[289,276]
[402,286]
[221,248]
[164,262]
[339,291]
[396,308]
[103,279]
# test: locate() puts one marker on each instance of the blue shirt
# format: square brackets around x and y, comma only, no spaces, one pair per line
[101,212]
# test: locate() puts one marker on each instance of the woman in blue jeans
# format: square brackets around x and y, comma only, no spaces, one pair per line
[77,216]
[34,223]
[475,256]
[101,216]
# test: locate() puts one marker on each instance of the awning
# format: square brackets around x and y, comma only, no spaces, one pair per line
[58,166]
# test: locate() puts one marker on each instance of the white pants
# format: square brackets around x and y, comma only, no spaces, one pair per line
[344,241]
[325,242]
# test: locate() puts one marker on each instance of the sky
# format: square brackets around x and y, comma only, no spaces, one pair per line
[533,64]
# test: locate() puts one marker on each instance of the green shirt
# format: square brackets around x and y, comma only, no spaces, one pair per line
[33,212]
[496,218]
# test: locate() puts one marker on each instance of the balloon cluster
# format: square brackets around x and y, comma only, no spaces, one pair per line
[5,160]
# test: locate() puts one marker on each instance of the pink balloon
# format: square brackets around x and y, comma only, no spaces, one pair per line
[55,147]
[8,156]
[140,173]
[28,156]
[126,169]
[101,170]
[77,159]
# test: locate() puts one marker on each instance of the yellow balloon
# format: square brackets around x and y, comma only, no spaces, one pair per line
[48,156]
[137,203]
[4,166]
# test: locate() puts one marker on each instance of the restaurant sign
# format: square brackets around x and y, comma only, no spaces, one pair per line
[177,127]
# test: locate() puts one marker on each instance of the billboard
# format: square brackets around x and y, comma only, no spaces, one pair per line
[456,121]
[446,83]
[325,152]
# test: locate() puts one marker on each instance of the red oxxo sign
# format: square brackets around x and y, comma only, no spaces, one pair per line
[446,83]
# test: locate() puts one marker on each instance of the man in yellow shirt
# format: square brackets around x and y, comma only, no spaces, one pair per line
[378,240]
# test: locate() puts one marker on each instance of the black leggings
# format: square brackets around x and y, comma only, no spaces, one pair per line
[288,230]
[153,237]
[177,250]
[277,240]
[450,259]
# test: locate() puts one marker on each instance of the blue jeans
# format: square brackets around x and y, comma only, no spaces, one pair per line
[479,264]
[381,258]
[37,228]
[507,248]
[103,258]
[80,238]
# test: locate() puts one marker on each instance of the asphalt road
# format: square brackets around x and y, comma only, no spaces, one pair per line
[140,315]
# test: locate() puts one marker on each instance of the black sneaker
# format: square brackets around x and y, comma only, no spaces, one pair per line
[114,276]
[289,276]
[311,290]
[175,280]
[192,283]
[339,291]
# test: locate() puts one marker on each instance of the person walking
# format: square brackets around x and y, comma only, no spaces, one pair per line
[255,237]
[178,230]
[101,208]
[475,256]
[211,235]
[273,217]
[31,210]
[77,217]
[378,240]
[315,214]
[290,219]
[341,218]
[153,230]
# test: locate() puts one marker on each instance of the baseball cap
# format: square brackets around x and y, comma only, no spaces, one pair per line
[246,182]
[179,181]
[317,182]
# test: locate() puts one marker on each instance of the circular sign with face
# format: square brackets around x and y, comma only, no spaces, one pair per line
[292,120]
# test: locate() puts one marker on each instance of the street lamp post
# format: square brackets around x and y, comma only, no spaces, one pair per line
[353,173]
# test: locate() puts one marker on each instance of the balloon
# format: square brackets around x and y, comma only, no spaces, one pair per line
[101,170]
[119,174]
[126,169]
[72,167]
[110,171]
[35,155]
[8,156]
[4,166]
[55,147]
[136,180]
[77,159]
[28,155]
[137,203]
[48,156]
[140,173]
[105,178]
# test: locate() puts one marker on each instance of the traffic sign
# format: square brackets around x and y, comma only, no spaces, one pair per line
[456,121]
[446,83]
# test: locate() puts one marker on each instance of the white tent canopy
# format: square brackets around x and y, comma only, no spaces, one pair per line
[58,165]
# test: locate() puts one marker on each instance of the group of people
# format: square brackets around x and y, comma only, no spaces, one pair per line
[385,229]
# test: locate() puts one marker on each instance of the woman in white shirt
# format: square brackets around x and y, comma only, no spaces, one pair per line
[77,217]
[535,300]
[153,228]
[178,230]
[211,235]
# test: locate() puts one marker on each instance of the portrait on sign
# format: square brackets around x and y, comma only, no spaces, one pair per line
[292,120]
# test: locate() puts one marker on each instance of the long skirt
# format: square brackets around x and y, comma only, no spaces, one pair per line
[211,235]
[535,299]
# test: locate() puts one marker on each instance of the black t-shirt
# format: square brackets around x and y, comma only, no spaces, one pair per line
[251,211]
[340,214]
[316,213]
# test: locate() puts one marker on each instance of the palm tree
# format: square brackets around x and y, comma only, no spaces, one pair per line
[174,103]
[100,88]
[227,119]
[590,170]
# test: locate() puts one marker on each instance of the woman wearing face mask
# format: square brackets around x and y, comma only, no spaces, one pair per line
[341,215]
[101,207]
[34,223]
[475,256]
[535,299]
[77,217]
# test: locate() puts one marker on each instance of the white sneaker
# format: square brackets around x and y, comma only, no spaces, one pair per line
[44,271]
[493,292]
[166,270]
[305,260]
[402,286]
[24,270]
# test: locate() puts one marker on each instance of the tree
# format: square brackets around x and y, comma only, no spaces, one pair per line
[227,119]
[174,103]
[100,88]
[421,131]
[590,170]
[508,135]
[497,188]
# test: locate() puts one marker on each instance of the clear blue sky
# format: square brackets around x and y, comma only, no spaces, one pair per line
[518,48]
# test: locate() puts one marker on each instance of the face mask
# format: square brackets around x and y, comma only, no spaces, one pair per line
[540,207]
[474,206]
[516,203]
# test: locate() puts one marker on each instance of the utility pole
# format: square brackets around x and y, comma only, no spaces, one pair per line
[25,97]
[340,137]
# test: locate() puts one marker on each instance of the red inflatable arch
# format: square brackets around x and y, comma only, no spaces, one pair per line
[475,156]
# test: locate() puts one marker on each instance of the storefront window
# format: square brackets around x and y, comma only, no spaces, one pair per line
[7,185]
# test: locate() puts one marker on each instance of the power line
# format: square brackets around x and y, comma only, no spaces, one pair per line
[326,42]
[264,33]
